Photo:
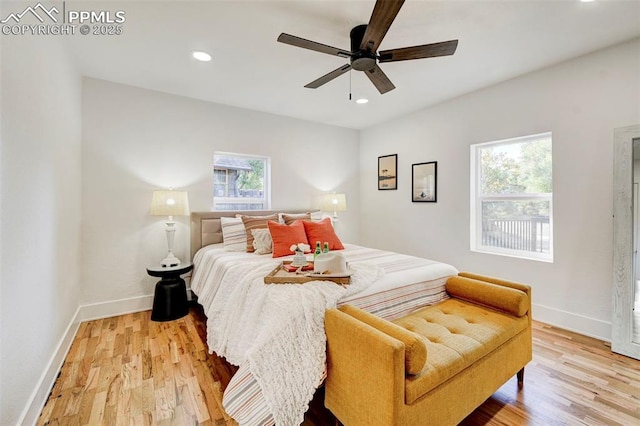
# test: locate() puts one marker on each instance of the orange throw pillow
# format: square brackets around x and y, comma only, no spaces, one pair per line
[284,236]
[322,231]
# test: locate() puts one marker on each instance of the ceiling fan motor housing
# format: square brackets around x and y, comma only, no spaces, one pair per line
[361,60]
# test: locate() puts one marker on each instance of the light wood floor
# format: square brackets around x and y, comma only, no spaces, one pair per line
[130,370]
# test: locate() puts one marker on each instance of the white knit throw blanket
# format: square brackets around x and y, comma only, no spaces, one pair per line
[278,330]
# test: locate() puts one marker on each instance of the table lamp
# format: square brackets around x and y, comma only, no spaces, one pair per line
[334,203]
[170,203]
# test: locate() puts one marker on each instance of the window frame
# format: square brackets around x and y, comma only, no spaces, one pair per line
[477,197]
[266,205]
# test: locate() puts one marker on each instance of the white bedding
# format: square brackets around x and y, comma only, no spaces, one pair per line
[251,324]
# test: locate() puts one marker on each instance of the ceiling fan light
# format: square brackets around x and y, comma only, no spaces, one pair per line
[362,101]
[201,56]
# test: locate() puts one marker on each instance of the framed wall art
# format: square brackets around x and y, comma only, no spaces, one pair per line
[388,172]
[424,182]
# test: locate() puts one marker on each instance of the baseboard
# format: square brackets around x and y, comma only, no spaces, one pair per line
[115,307]
[573,322]
[39,396]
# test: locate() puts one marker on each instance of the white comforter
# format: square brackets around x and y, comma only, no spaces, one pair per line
[277,330]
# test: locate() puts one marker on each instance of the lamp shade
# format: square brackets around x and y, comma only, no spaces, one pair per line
[334,203]
[170,203]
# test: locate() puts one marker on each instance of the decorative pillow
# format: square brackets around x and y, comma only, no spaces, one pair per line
[284,236]
[322,231]
[255,222]
[288,219]
[233,234]
[261,241]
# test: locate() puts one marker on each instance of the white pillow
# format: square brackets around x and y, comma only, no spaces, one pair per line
[262,242]
[233,234]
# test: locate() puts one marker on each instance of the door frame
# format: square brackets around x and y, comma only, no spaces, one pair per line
[623,245]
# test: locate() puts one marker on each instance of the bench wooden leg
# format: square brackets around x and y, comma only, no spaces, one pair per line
[520,376]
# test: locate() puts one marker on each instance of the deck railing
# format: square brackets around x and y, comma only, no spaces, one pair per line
[238,203]
[526,234]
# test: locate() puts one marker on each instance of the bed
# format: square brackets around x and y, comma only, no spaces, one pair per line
[279,346]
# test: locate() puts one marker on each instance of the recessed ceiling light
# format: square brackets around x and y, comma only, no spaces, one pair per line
[362,101]
[201,56]
[586,1]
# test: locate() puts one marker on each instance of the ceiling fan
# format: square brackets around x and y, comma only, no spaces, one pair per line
[365,40]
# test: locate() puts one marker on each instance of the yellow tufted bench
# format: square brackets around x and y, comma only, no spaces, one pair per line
[434,366]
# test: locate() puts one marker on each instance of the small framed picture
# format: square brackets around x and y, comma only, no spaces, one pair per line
[387,172]
[424,182]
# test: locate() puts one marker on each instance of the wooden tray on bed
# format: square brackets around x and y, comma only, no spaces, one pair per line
[281,276]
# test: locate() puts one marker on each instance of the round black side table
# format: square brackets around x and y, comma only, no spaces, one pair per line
[170,298]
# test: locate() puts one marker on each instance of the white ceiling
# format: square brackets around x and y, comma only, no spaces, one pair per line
[498,40]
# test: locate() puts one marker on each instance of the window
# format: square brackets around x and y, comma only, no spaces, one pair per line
[241,182]
[512,197]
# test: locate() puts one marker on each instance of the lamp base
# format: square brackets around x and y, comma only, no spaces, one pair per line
[170,261]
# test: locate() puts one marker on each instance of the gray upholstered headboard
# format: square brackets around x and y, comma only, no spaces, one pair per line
[206,228]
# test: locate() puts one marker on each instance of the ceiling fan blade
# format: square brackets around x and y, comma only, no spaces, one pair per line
[444,48]
[380,80]
[384,12]
[312,45]
[328,77]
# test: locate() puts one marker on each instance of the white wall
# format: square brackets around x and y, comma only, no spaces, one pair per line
[40,229]
[136,140]
[581,101]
